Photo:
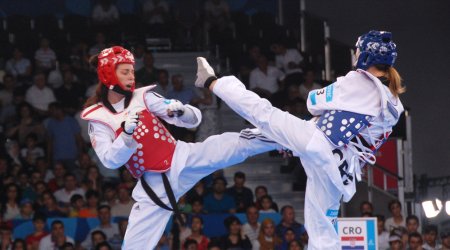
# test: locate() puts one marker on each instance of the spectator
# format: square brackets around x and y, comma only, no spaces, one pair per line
[8,113]
[105,13]
[395,242]
[13,155]
[99,44]
[44,57]
[179,233]
[65,142]
[124,204]
[162,86]
[111,230]
[139,59]
[179,91]
[214,246]
[414,241]
[208,105]
[39,95]
[187,24]
[54,77]
[19,66]
[7,93]
[304,239]
[234,239]
[266,204]
[163,243]
[92,202]
[109,194]
[23,181]
[242,195]
[77,203]
[26,210]
[288,221]
[78,57]
[97,237]
[40,187]
[70,94]
[183,206]
[70,188]
[297,107]
[445,238]
[288,237]
[93,180]
[218,201]
[288,60]
[123,224]
[295,245]
[430,234]
[155,12]
[19,244]
[10,204]
[248,62]
[32,151]
[6,237]
[42,168]
[217,15]
[67,246]
[35,178]
[103,246]
[197,234]
[25,125]
[308,85]
[148,74]
[397,218]
[198,192]
[59,173]
[84,172]
[412,224]
[197,207]
[264,79]
[4,168]
[383,235]
[50,207]
[252,227]
[56,238]
[267,239]
[260,191]
[190,245]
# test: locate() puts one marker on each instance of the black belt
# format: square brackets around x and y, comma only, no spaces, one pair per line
[170,195]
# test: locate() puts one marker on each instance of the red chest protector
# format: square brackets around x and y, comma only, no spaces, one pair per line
[156,146]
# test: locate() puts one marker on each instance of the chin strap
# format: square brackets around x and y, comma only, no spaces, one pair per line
[121,91]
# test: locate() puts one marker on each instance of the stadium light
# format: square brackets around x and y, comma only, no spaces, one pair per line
[433,207]
[447,207]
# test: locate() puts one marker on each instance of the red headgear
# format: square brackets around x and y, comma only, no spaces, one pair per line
[108,59]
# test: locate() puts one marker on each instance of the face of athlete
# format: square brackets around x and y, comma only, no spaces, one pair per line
[125,75]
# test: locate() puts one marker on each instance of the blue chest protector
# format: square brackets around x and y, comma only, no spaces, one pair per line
[341,126]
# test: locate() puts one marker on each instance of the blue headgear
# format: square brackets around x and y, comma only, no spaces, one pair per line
[376,47]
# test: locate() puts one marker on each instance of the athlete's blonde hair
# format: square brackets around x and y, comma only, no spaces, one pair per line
[394,78]
[395,81]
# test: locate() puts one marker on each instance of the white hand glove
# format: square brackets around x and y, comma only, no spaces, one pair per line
[175,108]
[130,123]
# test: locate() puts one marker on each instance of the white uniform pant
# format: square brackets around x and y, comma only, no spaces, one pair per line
[324,184]
[190,163]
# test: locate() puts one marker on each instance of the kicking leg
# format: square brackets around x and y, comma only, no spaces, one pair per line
[221,151]
[282,127]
